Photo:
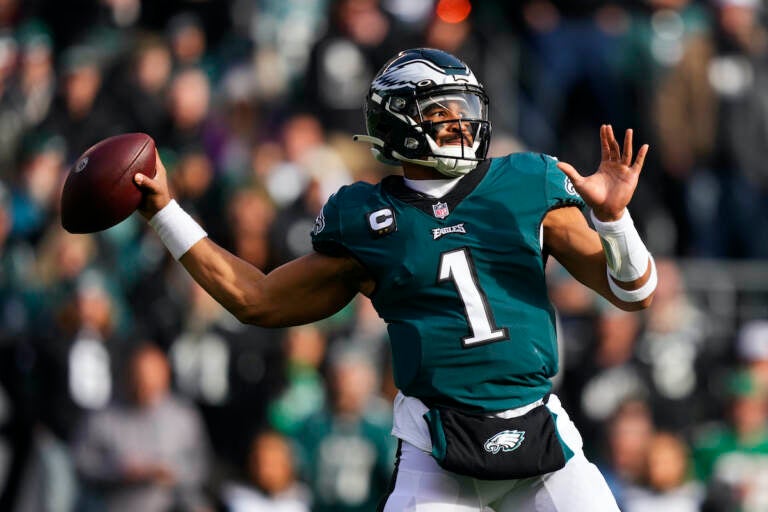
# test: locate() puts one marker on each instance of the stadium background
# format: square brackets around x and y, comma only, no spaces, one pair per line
[252,104]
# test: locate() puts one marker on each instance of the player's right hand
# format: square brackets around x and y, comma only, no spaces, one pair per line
[155,193]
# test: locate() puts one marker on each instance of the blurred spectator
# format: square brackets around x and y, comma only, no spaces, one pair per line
[367,329]
[199,190]
[149,453]
[77,368]
[576,309]
[80,113]
[673,347]
[658,35]
[189,44]
[360,38]
[347,450]
[666,485]
[712,117]
[610,374]
[29,91]
[272,484]
[75,372]
[9,52]
[192,123]
[310,171]
[229,370]
[571,73]
[752,348]
[17,275]
[629,432]
[17,404]
[160,297]
[732,457]
[304,395]
[283,35]
[35,194]
[141,84]
[250,213]
[285,177]
[60,259]
[243,117]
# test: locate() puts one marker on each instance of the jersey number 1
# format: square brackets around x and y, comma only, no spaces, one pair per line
[457,266]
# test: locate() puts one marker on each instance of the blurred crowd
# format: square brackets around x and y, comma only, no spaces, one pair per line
[124,386]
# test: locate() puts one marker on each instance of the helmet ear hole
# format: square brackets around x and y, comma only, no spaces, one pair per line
[397,104]
[411,143]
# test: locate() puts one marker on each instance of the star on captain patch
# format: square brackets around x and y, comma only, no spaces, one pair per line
[440,210]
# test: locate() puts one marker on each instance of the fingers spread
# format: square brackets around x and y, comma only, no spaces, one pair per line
[615,151]
[627,156]
[605,149]
[638,165]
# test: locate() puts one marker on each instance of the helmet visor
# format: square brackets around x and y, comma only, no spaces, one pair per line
[454,122]
[454,105]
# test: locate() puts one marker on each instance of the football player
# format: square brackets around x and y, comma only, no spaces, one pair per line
[452,254]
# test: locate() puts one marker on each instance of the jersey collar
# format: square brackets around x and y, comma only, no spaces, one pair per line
[395,185]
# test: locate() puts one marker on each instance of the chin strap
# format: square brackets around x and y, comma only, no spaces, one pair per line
[451,166]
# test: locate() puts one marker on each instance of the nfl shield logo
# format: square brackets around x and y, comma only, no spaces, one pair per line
[440,210]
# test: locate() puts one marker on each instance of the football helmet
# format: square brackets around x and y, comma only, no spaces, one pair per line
[425,106]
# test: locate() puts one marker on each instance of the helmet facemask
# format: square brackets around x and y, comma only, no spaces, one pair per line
[448,128]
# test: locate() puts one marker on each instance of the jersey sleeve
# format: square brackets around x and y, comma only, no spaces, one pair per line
[327,234]
[558,187]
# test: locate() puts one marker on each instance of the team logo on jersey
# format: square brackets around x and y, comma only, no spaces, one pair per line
[439,232]
[440,210]
[381,222]
[319,223]
[569,187]
[504,441]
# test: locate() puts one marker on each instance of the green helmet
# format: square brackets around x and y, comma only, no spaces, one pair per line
[405,90]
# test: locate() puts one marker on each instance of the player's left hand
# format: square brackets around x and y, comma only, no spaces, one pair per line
[609,190]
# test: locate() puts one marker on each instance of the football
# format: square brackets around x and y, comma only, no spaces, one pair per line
[99,191]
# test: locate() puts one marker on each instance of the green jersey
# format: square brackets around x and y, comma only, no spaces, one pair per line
[460,279]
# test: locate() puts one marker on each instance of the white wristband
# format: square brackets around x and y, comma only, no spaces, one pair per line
[625,252]
[177,229]
[639,294]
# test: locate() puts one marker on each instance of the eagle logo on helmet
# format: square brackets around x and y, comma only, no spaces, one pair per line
[420,74]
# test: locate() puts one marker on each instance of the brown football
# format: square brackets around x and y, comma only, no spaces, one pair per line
[99,191]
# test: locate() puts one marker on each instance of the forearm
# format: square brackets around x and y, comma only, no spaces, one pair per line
[579,249]
[225,277]
[631,271]
[233,282]
[302,291]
